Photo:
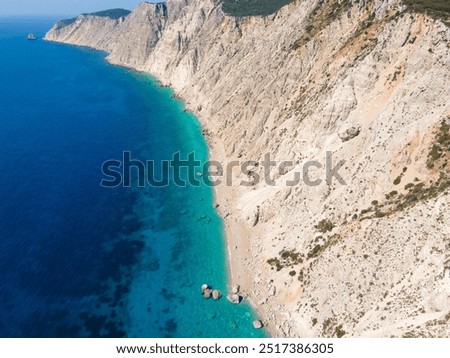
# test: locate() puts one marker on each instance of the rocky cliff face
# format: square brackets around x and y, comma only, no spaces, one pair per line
[366,81]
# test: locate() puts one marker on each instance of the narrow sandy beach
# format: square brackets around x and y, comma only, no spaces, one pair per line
[238,236]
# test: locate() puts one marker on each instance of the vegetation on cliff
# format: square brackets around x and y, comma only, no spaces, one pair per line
[240,8]
[435,8]
[438,9]
[114,14]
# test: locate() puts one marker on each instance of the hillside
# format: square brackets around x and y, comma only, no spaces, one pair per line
[366,81]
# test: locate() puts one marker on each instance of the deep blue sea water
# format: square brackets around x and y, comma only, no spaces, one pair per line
[79,260]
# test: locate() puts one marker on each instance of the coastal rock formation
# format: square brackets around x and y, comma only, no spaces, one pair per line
[204,288]
[285,85]
[207,293]
[234,298]
[216,294]
[258,324]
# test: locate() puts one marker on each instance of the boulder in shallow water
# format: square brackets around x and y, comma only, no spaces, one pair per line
[235,289]
[258,324]
[234,298]
[216,294]
[207,293]
[204,287]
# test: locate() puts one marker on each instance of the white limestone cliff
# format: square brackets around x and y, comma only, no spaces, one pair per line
[289,84]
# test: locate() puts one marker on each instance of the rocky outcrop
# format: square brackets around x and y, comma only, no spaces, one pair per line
[208,292]
[234,298]
[216,294]
[235,289]
[286,85]
[79,32]
[349,132]
[257,324]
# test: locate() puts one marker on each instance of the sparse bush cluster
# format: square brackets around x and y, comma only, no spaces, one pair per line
[400,201]
[330,328]
[441,146]
[315,251]
[288,258]
[323,15]
[417,191]
[324,226]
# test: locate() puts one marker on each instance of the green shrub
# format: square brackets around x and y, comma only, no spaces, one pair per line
[339,331]
[398,180]
[276,263]
[287,258]
[442,143]
[291,257]
[324,225]
[314,252]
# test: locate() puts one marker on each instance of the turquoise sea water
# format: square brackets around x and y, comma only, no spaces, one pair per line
[79,260]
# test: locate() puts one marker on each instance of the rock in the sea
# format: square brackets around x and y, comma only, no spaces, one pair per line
[207,293]
[216,294]
[204,287]
[234,298]
[349,132]
[258,324]
[235,289]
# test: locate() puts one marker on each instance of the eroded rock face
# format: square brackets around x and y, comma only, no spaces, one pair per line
[286,85]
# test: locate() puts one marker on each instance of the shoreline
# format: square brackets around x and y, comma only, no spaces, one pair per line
[225,197]
[236,238]
[233,230]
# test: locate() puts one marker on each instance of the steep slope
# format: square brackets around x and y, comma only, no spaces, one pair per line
[104,24]
[368,257]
